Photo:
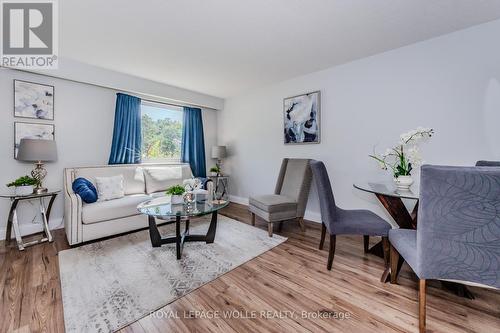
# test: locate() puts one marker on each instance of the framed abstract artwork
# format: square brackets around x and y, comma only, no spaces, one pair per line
[33,100]
[301,115]
[32,131]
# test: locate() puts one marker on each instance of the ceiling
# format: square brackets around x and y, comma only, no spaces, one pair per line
[225,47]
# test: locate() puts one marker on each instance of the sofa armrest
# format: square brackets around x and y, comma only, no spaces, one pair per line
[72,210]
[204,181]
[208,184]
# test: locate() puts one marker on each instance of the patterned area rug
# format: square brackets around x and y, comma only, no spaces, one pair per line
[109,284]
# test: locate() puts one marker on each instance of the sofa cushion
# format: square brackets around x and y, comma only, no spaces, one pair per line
[112,209]
[161,178]
[133,176]
[85,189]
[109,188]
[273,203]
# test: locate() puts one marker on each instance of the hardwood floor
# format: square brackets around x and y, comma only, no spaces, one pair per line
[291,277]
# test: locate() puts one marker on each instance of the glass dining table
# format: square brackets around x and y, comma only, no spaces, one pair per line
[392,199]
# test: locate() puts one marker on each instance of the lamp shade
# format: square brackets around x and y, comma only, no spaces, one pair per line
[218,152]
[33,150]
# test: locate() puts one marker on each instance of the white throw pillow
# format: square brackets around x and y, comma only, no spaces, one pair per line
[160,179]
[109,188]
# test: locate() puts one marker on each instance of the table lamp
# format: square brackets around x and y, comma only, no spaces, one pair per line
[38,151]
[219,152]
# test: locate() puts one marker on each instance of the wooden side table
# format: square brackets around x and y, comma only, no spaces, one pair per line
[12,221]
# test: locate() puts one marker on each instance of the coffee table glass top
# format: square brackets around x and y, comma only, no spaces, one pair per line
[388,189]
[162,208]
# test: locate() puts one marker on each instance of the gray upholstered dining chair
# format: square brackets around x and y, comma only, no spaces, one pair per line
[483,163]
[458,231]
[338,221]
[290,196]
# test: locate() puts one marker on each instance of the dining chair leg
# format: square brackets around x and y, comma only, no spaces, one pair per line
[331,253]
[253,219]
[394,265]
[323,233]
[280,226]
[301,223]
[421,305]
[270,229]
[387,249]
[366,242]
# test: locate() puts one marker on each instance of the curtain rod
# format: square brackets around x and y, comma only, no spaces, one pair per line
[111,88]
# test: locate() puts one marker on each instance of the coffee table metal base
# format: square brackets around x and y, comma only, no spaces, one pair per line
[180,238]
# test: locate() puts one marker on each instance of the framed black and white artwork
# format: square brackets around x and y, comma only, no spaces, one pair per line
[301,115]
[33,100]
[32,131]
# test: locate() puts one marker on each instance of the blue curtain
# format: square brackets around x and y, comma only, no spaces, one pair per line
[193,142]
[126,145]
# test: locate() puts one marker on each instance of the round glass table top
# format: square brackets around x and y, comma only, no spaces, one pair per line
[162,208]
[388,189]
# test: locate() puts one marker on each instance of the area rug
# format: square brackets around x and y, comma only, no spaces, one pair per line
[109,284]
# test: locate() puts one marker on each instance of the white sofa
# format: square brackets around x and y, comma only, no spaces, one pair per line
[84,222]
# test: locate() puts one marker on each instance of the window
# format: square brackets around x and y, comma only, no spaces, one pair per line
[161,132]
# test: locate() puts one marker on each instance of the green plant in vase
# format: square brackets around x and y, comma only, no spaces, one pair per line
[176,192]
[23,185]
[215,170]
[402,158]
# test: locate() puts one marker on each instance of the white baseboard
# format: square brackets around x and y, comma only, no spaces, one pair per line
[312,216]
[31,228]
[238,200]
[309,215]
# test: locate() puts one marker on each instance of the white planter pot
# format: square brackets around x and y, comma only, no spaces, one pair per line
[403,182]
[213,174]
[24,190]
[177,199]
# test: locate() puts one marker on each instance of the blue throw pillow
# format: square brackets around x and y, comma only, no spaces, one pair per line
[85,189]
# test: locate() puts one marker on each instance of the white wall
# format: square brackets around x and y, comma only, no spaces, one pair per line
[450,83]
[84,116]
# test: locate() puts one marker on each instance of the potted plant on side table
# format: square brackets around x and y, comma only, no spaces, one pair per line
[404,156]
[23,185]
[177,194]
[215,171]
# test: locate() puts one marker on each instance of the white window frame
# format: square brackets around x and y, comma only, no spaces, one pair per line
[165,160]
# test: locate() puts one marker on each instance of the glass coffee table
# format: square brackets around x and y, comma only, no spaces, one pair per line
[162,209]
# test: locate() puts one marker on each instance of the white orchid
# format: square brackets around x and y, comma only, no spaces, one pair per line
[416,135]
[414,156]
[388,152]
[404,156]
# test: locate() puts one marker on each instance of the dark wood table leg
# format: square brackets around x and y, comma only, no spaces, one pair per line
[400,214]
[154,234]
[458,289]
[180,238]
[377,250]
[212,228]
[398,211]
